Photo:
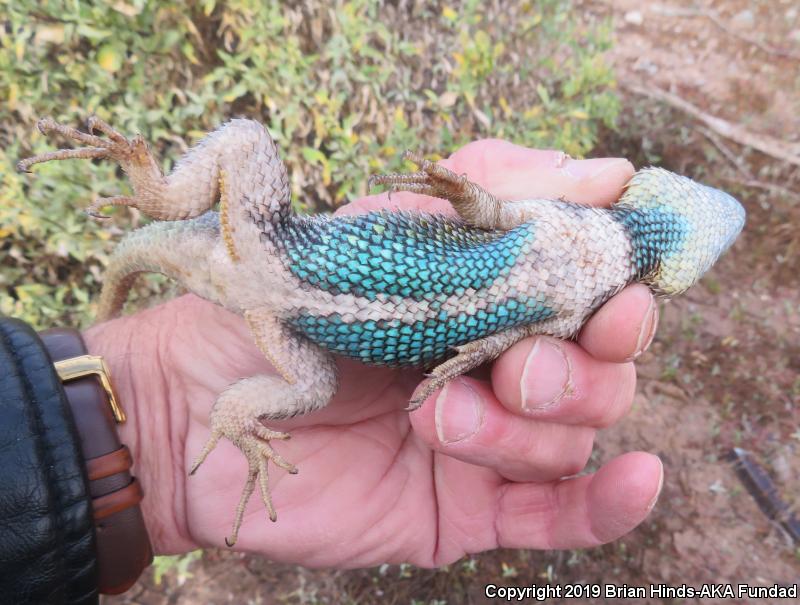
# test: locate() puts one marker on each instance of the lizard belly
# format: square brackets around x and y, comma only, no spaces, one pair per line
[403,290]
[400,340]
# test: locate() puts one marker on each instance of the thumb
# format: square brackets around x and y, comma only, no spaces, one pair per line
[513,172]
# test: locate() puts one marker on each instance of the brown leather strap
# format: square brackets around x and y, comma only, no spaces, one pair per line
[123,546]
[128,496]
[118,461]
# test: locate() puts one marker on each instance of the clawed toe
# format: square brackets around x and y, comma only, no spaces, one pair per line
[95,123]
[93,210]
[431,384]
[258,453]
[432,179]
[254,444]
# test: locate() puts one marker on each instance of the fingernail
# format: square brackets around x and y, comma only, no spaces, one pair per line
[547,376]
[459,412]
[590,169]
[647,330]
[658,489]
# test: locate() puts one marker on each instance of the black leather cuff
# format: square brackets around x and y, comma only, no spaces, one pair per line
[47,542]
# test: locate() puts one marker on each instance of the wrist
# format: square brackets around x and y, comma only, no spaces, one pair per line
[154,429]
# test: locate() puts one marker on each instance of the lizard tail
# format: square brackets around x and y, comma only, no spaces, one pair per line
[163,247]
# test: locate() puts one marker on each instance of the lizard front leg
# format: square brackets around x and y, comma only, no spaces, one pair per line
[469,356]
[308,380]
[475,205]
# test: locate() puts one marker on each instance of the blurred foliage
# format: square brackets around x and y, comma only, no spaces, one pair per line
[342,90]
[176,566]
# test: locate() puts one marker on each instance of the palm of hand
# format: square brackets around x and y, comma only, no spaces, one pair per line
[362,470]
[376,484]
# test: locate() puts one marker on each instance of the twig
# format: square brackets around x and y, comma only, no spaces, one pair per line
[736,162]
[776,148]
[763,489]
[748,179]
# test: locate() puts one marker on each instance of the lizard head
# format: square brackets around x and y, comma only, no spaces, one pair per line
[678,227]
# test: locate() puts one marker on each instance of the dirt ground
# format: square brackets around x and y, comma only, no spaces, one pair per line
[724,370]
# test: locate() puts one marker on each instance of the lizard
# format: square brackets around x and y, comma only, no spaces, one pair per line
[386,288]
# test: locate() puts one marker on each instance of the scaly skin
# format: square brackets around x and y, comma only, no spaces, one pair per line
[399,289]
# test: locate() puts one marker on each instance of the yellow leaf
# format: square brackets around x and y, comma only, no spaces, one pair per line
[449,14]
[505,106]
[533,112]
[579,114]
[109,58]
[13,96]
[326,173]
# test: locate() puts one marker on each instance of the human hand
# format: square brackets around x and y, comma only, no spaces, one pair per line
[478,466]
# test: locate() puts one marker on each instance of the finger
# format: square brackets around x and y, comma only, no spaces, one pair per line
[557,381]
[581,511]
[513,172]
[465,421]
[623,327]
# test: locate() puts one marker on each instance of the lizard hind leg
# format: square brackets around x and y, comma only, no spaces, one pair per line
[307,381]
[193,187]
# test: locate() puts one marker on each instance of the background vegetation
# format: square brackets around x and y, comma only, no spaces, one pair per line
[345,87]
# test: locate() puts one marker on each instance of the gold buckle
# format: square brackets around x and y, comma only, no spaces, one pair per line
[91,365]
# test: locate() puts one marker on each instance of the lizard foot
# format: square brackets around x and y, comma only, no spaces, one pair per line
[475,205]
[132,155]
[254,441]
[469,356]
[431,179]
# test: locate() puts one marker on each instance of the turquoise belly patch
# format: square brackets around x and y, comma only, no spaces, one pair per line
[394,343]
[413,256]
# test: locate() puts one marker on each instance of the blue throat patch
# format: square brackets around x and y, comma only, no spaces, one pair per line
[656,234]
[415,256]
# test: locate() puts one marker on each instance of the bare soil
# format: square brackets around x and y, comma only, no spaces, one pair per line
[724,371]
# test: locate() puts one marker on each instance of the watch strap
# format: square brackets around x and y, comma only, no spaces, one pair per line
[123,546]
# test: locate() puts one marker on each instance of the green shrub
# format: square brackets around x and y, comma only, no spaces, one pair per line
[342,91]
